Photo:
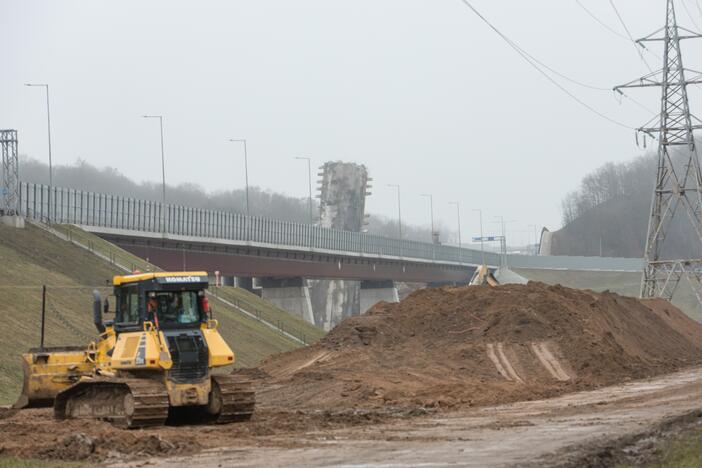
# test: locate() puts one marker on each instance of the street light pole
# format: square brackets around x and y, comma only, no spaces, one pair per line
[536,242]
[458,215]
[163,156]
[48,128]
[431,212]
[246,170]
[399,209]
[482,249]
[309,177]
[503,245]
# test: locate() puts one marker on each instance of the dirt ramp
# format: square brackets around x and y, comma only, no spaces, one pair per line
[478,345]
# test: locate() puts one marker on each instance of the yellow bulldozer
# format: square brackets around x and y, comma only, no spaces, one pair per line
[159,356]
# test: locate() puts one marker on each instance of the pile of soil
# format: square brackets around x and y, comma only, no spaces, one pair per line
[34,433]
[477,345]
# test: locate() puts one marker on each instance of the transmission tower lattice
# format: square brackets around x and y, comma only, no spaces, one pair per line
[10,173]
[678,179]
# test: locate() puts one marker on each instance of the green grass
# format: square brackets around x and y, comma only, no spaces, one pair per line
[270,313]
[12,462]
[252,303]
[683,453]
[107,249]
[32,257]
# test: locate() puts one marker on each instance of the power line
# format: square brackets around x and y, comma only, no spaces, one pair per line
[602,23]
[628,33]
[612,30]
[526,56]
[689,15]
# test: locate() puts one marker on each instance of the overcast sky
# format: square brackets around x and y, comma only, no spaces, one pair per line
[421,91]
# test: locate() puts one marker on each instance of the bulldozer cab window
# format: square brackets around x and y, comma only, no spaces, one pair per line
[128,309]
[174,308]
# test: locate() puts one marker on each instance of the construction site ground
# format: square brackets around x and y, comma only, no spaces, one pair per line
[579,429]
[512,375]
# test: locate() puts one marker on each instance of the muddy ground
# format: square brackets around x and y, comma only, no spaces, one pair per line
[446,372]
[581,429]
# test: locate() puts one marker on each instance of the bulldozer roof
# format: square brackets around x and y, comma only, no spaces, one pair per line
[179,276]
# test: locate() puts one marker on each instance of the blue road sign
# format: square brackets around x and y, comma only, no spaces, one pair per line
[487,238]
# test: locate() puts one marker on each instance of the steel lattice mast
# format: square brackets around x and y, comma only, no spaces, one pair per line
[678,179]
[10,172]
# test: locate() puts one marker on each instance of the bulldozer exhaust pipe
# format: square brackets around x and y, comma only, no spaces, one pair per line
[97,312]
[43,316]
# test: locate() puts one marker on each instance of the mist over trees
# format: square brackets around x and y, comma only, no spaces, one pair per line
[609,212]
[265,203]
[610,181]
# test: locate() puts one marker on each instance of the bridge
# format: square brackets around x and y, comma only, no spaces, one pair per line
[174,236]
[284,254]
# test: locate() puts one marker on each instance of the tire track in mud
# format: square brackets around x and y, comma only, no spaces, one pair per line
[497,355]
[549,361]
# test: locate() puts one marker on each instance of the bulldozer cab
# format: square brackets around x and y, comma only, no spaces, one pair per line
[168,300]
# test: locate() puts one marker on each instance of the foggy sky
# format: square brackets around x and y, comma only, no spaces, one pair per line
[420,91]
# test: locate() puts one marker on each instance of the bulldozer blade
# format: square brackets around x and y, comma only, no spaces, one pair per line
[47,371]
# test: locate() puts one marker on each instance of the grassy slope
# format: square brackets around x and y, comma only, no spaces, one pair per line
[248,301]
[685,452]
[12,462]
[270,313]
[32,257]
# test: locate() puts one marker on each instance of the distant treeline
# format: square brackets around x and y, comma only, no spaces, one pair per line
[631,179]
[608,214]
[264,203]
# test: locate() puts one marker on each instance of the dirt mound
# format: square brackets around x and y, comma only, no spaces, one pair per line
[480,345]
[125,445]
[33,433]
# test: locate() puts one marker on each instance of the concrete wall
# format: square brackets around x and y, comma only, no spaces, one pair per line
[290,294]
[373,292]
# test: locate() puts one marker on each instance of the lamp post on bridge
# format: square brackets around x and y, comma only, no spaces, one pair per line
[431,213]
[246,170]
[163,157]
[503,245]
[482,240]
[458,216]
[536,240]
[399,209]
[48,129]
[309,178]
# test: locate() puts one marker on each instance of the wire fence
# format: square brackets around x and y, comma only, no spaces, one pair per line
[69,321]
[121,259]
[262,315]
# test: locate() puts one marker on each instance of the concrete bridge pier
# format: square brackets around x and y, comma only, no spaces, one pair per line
[290,294]
[373,292]
[12,221]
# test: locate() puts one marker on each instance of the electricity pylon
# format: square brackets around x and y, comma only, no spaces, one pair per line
[9,196]
[678,177]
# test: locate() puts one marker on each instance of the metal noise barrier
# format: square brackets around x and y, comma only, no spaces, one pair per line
[70,206]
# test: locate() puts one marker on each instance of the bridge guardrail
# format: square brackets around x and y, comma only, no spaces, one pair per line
[71,206]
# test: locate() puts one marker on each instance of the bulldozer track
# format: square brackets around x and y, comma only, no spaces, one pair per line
[237,396]
[150,400]
[128,403]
